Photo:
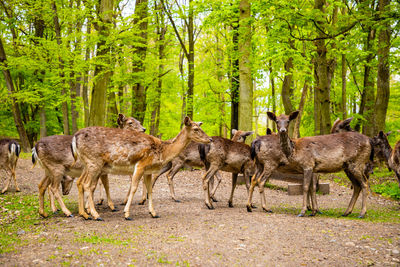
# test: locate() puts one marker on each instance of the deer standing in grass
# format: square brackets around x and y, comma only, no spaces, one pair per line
[53,153]
[391,155]
[348,151]
[115,151]
[190,156]
[9,153]
[226,155]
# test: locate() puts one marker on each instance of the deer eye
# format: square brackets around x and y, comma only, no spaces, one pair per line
[130,123]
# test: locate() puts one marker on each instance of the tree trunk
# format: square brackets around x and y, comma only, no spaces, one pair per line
[317,106]
[102,72]
[235,78]
[42,122]
[15,107]
[383,83]
[272,81]
[64,106]
[189,99]
[139,90]
[246,85]
[287,89]
[344,72]
[85,74]
[296,131]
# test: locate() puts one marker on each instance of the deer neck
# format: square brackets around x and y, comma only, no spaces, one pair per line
[286,144]
[176,146]
[387,153]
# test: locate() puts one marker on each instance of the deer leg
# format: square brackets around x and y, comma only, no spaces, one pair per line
[44,183]
[170,176]
[306,187]
[149,187]
[253,184]
[7,183]
[106,184]
[356,192]
[55,188]
[89,186]
[261,187]
[101,198]
[81,196]
[212,195]
[15,179]
[234,180]
[313,195]
[52,201]
[365,191]
[144,195]
[137,174]
[210,173]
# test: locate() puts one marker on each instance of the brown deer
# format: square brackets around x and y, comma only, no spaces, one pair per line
[190,157]
[9,153]
[226,155]
[391,155]
[115,151]
[348,151]
[53,153]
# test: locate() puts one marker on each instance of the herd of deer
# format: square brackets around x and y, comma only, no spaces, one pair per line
[95,152]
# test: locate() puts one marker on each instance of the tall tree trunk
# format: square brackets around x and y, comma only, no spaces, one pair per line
[189,99]
[317,105]
[15,107]
[42,122]
[344,72]
[235,77]
[287,89]
[64,106]
[273,97]
[383,83]
[139,89]
[296,131]
[102,73]
[246,85]
[85,74]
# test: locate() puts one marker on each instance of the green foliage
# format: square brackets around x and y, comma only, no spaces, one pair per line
[387,189]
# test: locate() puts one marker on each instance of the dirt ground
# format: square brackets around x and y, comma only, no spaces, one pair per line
[188,234]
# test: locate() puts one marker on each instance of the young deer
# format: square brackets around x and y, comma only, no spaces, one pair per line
[9,153]
[226,155]
[190,157]
[348,151]
[392,156]
[53,153]
[115,151]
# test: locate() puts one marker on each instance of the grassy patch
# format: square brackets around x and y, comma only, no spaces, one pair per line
[92,238]
[387,189]
[24,155]
[389,215]
[275,187]
[18,215]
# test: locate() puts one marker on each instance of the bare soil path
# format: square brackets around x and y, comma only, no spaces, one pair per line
[188,234]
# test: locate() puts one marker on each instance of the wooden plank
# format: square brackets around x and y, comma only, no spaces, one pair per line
[297,189]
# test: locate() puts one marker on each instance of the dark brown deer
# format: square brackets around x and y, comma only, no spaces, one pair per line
[190,157]
[9,153]
[391,155]
[348,151]
[226,155]
[115,151]
[53,153]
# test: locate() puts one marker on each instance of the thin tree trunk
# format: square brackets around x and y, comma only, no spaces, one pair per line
[272,81]
[97,114]
[246,85]
[139,90]
[42,121]
[15,107]
[296,131]
[344,72]
[85,89]
[235,78]
[189,99]
[317,106]
[383,83]
[287,88]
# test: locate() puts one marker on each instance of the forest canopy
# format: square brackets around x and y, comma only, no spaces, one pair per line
[71,64]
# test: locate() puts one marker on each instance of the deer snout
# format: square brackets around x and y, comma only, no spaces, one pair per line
[143,129]
[283,130]
[210,139]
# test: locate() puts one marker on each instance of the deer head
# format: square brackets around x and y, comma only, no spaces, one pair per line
[194,132]
[282,122]
[66,184]
[340,126]
[129,123]
[382,143]
[240,136]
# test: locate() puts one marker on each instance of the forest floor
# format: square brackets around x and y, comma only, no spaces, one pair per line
[188,234]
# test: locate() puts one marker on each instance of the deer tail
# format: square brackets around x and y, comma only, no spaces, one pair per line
[74,149]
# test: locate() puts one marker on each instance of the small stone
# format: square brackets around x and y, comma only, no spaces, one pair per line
[350,244]
[395,260]
[20,232]
[68,255]
[83,248]
[395,252]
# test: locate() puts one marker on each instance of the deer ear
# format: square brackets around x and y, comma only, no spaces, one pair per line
[200,123]
[234,131]
[381,134]
[121,119]
[187,121]
[347,121]
[247,133]
[269,131]
[388,133]
[293,115]
[271,116]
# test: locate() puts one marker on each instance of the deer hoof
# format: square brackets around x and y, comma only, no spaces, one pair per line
[249,208]
[361,217]
[230,205]
[300,215]
[114,210]
[99,203]
[319,212]
[210,207]
[214,199]
[56,212]
[312,214]
[43,215]
[128,219]
[253,206]
[100,219]
[18,190]
[154,216]
[267,210]
[142,202]
[309,208]
[88,218]
[344,215]
[177,201]
[70,216]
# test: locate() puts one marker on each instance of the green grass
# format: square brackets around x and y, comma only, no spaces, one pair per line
[17,213]
[92,238]
[24,155]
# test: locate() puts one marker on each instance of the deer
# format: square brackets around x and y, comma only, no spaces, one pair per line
[226,155]
[391,155]
[115,151]
[53,153]
[348,151]
[9,154]
[190,156]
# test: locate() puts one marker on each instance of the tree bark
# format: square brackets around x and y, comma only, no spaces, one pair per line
[272,82]
[296,131]
[344,72]
[97,114]
[15,107]
[139,89]
[235,77]
[383,83]
[245,78]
